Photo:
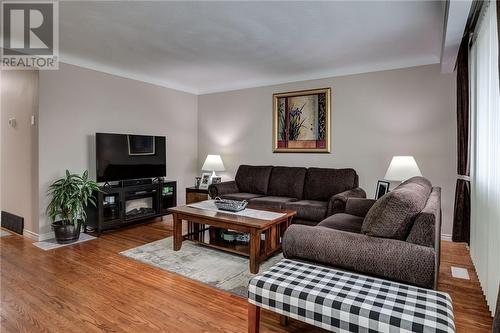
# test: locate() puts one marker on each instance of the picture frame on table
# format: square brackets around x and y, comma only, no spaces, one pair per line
[205,180]
[382,189]
[197,182]
[216,180]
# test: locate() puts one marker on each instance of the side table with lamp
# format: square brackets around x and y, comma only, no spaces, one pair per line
[199,192]
[400,169]
[212,163]
[195,194]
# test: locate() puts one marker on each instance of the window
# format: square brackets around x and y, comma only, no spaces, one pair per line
[485,161]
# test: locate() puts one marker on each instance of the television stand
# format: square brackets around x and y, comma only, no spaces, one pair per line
[122,205]
[134,182]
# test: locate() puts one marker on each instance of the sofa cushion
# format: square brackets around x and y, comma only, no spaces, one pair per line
[304,222]
[253,179]
[359,206]
[287,182]
[308,209]
[344,222]
[392,215]
[270,202]
[322,184]
[240,196]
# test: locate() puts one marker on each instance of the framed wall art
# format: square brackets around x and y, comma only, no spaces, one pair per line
[301,121]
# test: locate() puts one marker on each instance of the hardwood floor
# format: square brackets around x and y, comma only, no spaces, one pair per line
[469,303]
[89,287]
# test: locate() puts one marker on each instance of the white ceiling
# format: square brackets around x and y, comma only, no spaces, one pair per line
[204,47]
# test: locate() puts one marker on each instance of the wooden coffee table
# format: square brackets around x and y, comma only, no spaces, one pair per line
[257,249]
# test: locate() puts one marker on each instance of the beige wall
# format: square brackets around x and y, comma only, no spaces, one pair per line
[374,116]
[19,146]
[75,103]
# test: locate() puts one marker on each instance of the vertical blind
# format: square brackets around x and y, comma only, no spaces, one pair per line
[485,162]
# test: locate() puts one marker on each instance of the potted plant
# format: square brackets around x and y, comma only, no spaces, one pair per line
[70,196]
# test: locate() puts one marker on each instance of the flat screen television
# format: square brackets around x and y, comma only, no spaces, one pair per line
[126,156]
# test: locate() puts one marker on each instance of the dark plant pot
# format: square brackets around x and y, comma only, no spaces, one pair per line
[66,233]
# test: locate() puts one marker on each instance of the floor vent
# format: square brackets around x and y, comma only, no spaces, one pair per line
[459,273]
[13,222]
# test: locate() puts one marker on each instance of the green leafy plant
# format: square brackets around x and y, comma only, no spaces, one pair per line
[282,122]
[295,123]
[321,116]
[70,195]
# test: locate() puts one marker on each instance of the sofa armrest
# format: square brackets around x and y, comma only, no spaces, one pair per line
[358,206]
[338,201]
[216,190]
[386,258]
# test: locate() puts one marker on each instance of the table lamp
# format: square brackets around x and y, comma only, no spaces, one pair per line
[402,168]
[213,163]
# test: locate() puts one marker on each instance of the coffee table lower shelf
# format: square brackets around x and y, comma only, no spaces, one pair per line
[235,247]
[265,236]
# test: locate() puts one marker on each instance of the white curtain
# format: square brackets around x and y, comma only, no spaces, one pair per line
[485,161]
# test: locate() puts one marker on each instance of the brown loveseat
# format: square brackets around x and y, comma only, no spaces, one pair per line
[314,193]
[396,237]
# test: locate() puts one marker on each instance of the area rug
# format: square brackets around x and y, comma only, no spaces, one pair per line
[4,233]
[52,244]
[216,268]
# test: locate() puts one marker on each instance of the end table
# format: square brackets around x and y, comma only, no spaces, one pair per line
[194,194]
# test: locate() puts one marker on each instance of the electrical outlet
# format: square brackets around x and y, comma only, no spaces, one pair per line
[12,122]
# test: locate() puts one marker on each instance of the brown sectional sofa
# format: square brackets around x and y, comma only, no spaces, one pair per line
[314,193]
[396,237]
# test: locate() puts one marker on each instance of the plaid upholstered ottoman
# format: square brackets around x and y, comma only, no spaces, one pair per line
[346,302]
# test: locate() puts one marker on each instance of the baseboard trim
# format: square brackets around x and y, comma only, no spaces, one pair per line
[30,234]
[38,237]
[446,238]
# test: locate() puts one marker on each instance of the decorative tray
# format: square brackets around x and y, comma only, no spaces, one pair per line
[230,205]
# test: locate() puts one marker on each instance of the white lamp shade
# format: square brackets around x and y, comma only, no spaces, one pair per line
[213,163]
[402,168]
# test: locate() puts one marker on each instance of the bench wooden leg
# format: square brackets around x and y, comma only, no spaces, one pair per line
[253,318]
[283,320]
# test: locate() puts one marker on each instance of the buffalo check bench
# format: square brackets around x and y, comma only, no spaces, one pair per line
[341,301]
